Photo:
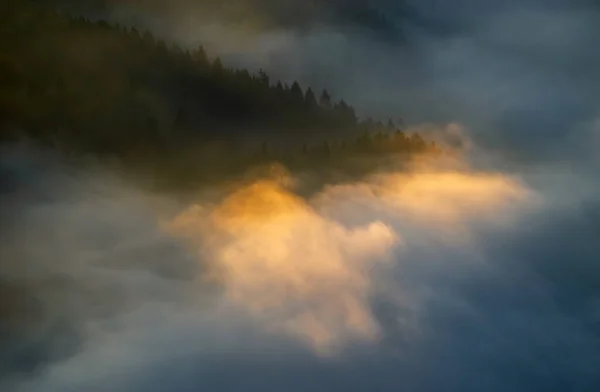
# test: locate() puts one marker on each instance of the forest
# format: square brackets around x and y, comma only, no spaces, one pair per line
[94,87]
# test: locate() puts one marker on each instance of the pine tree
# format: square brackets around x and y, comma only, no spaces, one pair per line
[296,92]
[325,100]
[310,101]
[217,66]
[200,58]
[390,125]
[263,78]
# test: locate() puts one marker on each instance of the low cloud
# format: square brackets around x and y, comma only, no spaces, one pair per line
[440,275]
[286,264]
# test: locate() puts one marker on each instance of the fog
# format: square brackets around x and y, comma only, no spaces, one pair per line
[446,275]
[476,272]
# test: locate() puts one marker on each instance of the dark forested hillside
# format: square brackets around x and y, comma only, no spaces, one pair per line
[102,88]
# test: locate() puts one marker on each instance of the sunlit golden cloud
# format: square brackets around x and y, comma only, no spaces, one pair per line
[441,200]
[296,265]
[290,267]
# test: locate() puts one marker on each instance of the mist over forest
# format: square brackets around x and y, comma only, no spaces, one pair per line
[299,195]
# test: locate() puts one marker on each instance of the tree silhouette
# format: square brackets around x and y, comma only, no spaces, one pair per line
[325,100]
[296,91]
[101,87]
[310,101]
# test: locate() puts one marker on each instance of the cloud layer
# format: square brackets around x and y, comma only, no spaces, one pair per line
[437,276]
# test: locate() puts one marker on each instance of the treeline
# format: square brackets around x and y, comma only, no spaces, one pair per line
[108,88]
